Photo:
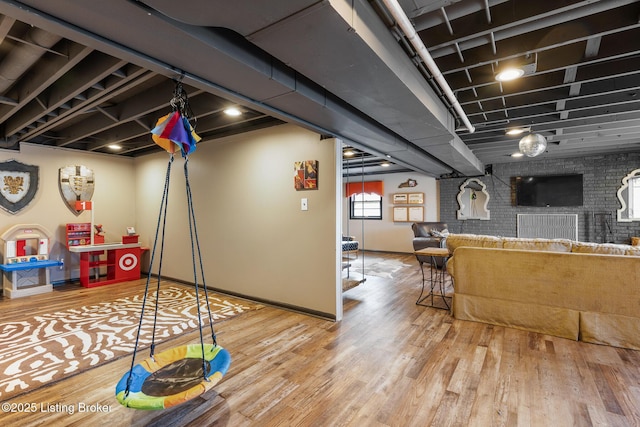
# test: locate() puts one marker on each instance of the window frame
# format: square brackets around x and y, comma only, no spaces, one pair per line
[353,202]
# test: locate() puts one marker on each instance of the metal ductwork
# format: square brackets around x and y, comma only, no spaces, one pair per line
[343,73]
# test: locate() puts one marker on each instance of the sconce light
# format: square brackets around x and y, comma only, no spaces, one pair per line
[533,145]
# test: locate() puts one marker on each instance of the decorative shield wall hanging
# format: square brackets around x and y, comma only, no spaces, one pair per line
[76,183]
[18,185]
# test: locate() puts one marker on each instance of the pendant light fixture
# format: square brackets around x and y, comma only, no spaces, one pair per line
[533,145]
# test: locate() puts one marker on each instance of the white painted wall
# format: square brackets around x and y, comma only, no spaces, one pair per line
[114,198]
[255,239]
[385,234]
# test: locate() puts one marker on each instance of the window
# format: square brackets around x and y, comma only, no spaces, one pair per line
[365,206]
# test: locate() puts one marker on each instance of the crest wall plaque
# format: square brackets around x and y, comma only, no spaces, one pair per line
[18,185]
[76,184]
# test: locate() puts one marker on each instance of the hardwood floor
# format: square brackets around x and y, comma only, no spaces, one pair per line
[388,363]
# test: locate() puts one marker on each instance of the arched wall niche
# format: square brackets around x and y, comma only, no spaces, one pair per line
[473,200]
[629,197]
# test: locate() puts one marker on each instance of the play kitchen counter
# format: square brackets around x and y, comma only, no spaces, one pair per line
[122,263]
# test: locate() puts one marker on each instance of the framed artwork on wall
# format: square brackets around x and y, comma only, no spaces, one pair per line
[416,198]
[416,213]
[400,199]
[400,214]
[305,175]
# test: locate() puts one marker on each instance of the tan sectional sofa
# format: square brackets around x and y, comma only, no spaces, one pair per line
[581,291]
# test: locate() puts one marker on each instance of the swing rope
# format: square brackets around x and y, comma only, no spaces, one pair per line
[162,215]
[195,241]
[195,245]
[364,279]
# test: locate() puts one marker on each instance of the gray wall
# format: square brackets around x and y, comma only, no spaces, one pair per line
[602,178]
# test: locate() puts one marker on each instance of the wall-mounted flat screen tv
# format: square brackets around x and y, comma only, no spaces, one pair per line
[549,190]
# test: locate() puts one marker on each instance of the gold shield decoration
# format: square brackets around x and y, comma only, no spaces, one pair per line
[18,185]
[76,183]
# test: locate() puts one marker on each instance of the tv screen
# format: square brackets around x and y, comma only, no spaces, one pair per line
[549,190]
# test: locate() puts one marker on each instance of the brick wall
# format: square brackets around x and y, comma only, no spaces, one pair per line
[602,177]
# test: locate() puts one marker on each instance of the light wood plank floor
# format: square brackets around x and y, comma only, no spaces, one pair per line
[388,363]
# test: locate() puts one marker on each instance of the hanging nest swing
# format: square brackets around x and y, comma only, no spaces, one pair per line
[182,373]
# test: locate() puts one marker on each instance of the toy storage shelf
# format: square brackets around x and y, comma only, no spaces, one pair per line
[78,234]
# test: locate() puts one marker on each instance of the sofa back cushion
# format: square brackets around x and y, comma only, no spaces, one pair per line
[554,245]
[600,248]
[455,241]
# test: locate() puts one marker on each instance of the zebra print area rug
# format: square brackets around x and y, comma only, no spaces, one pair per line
[50,347]
[377,266]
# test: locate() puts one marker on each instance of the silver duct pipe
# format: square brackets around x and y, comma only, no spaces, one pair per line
[407,28]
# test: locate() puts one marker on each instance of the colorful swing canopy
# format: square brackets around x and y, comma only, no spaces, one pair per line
[174,133]
[173,377]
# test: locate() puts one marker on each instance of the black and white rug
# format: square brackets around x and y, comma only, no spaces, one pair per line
[371,265]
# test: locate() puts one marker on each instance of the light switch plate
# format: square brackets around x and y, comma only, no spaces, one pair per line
[304,205]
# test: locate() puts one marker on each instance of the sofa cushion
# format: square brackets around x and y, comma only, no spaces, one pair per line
[633,251]
[349,245]
[600,248]
[554,245]
[474,240]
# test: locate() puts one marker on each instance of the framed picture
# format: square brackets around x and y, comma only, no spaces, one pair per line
[416,198]
[400,214]
[416,213]
[305,175]
[400,199]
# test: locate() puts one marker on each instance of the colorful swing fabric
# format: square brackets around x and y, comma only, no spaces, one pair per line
[218,360]
[173,132]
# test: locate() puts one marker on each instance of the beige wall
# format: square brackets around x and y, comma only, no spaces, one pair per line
[254,238]
[385,234]
[114,198]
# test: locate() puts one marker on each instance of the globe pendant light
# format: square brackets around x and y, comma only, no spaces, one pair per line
[533,145]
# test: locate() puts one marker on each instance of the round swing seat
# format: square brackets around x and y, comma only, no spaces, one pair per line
[173,376]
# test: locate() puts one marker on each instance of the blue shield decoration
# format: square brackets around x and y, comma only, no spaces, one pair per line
[18,185]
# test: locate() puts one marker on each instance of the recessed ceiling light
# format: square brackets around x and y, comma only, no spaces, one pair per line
[114,147]
[518,154]
[385,165]
[509,74]
[517,131]
[232,111]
